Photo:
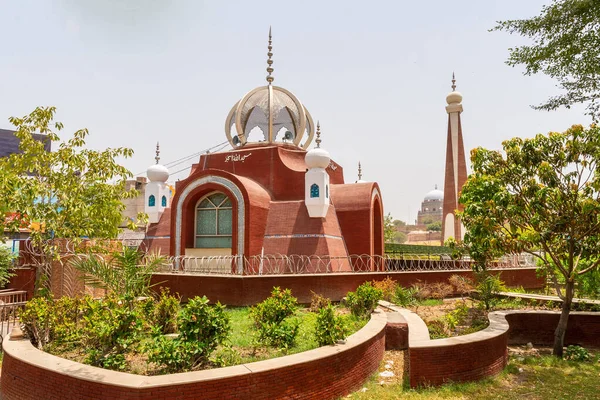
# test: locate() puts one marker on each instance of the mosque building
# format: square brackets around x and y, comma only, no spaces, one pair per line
[431,207]
[274,196]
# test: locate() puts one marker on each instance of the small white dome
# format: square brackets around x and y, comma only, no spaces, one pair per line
[454,97]
[157,173]
[435,194]
[317,158]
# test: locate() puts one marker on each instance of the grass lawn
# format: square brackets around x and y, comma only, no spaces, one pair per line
[525,377]
[242,335]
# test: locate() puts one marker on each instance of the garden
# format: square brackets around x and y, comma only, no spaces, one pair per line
[136,330]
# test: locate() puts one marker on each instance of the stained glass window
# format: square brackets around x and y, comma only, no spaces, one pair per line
[151,201]
[214,221]
[163,201]
[314,190]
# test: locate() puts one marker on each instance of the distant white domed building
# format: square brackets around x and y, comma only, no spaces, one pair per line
[431,207]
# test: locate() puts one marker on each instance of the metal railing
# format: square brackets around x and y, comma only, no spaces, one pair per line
[279,264]
[11,303]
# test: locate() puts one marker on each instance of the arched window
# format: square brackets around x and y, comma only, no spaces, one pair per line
[214,217]
[314,190]
[163,201]
[151,201]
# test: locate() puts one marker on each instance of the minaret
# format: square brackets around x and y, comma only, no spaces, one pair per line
[456,168]
[157,194]
[316,180]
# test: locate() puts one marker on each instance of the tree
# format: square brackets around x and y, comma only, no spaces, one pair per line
[126,272]
[400,237]
[434,226]
[398,223]
[69,193]
[7,259]
[566,47]
[541,197]
[389,230]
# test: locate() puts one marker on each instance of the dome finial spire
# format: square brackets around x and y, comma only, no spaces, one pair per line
[157,158]
[453,82]
[436,186]
[270,70]
[359,171]
[318,141]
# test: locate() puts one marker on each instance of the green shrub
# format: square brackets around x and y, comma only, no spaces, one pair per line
[226,356]
[66,312]
[405,296]
[330,327]
[577,353]
[271,319]
[364,300]
[437,329]
[488,286]
[7,260]
[38,319]
[276,308]
[318,301]
[111,327]
[201,329]
[165,311]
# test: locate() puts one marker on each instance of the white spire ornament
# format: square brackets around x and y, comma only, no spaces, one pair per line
[157,193]
[316,179]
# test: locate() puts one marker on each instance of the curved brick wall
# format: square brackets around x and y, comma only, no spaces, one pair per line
[325,373]
[483,354]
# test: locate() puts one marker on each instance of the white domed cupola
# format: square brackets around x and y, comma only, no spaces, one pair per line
[277,112]
[316,180]
[157,193]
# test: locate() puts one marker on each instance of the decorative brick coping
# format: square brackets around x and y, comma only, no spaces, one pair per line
[325,373]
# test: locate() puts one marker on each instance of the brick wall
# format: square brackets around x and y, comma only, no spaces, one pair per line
[248,290]
[538,328]
[325,373]
[24,279]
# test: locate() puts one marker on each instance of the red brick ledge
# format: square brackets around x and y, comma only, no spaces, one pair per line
[325,373]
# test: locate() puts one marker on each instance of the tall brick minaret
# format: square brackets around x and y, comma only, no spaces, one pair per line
[456,168]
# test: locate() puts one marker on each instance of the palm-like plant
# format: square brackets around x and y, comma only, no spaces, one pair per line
[125,273]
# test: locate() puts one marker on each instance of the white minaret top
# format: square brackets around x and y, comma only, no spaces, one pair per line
[454,99]
[157,172]
[316,180]
[317,157]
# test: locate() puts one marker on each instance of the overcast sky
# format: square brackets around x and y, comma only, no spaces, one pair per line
[376,74]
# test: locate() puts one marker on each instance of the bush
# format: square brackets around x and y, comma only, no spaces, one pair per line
[165,311]
[387,287]
[488,286]
[577,353]
[462,285]
[437,329]
[330,327]
[364,300]
[317,302]
[437,290]
[270,319]
[7,259]
[66,317]
[201,329]
[111,326]
[405,296]
[38,319]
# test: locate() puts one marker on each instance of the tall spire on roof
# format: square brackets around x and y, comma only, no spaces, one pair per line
[270,70]
[318,141]
[157,158]
[359,171]
[453,82]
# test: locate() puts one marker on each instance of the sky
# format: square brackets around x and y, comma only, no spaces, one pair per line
[375,74]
